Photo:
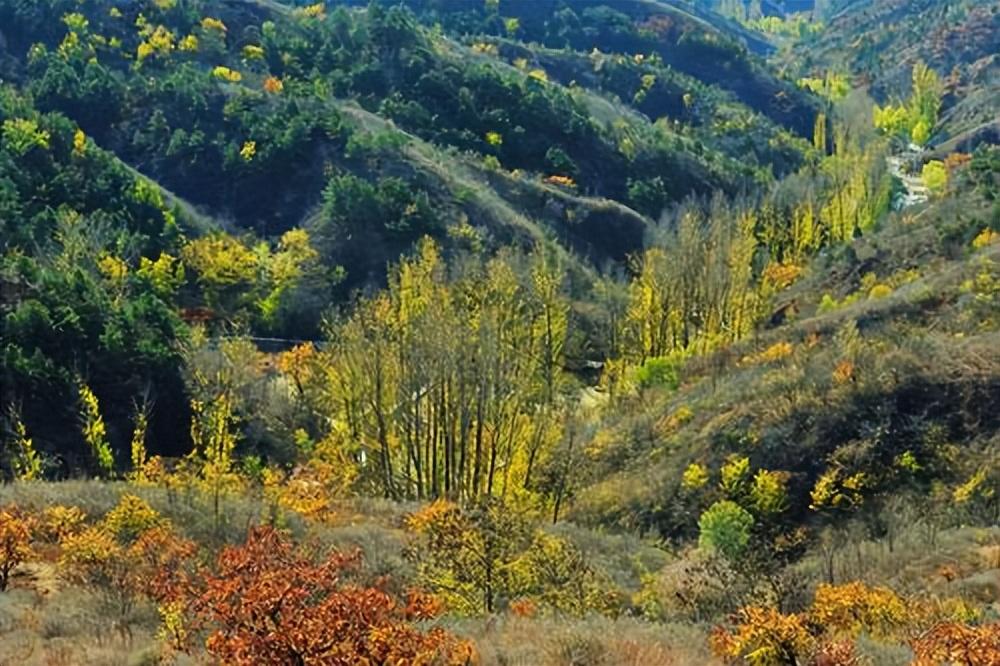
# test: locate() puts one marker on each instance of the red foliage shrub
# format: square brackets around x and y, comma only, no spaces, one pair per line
[953,643]
[267,604]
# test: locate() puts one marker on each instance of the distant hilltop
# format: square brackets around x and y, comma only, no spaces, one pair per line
[792,6]
[757,7]
[783,7]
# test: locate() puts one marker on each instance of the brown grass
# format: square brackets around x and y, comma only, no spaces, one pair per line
[592,641]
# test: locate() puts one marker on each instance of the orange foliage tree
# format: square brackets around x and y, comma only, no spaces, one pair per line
[267,604]
[152,565]
[15,542]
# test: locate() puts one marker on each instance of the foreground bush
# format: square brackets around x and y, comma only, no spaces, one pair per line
[953,643]
[938,633]
[15,542]
[267,604]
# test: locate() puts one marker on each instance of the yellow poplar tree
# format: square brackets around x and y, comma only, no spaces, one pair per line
[26,462]
[819,133]
[138,448]
[94,430]
[214,436]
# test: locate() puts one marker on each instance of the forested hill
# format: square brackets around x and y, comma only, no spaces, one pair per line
[879,41]
[253,164]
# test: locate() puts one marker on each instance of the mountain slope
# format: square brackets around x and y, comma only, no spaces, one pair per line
[557,333]
[367,129]
[879,41]
[885,350]
[693,42]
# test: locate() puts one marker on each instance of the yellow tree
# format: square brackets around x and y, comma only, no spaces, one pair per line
[284,269]
[26,463]
[215,437]
[694,289]
[935,177]
[648,321]
[138,444]
[819,133]
[552,309]
[806,232]
[225,267]
[94,430]
[15,541]
[925,102]
[858,190]
[445,378]
[423,346]
[510,363]
[366,376]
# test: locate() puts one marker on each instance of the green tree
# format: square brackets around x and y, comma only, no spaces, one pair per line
[725,529]
[935,177]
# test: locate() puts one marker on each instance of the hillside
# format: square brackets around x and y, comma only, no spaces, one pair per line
[879,41]
[879,348]
[541,333]
[364,129]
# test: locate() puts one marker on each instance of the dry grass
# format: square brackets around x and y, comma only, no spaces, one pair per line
[67,627]
[593,641]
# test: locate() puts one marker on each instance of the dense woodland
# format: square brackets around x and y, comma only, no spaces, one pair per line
[498,332]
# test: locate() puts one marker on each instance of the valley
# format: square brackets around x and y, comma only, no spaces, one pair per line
[454,332]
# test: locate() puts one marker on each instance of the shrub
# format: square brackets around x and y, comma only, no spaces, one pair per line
[768,492]
[765,637]
[268,604]
[775,352]
[735,473]
[662,371]
[827,304]
[986,237]
[225,74]
[725,529]
[678,418]
[131,517]
[151,566]
[854,608]
[843,372]
[935,177]
[880,291]
[949,642]
[556,573]
[15,542]
[695,476]
[467,555]
[59,521]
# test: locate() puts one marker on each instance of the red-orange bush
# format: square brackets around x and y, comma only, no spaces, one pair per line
[953,643]
[267,604]
[523,608]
